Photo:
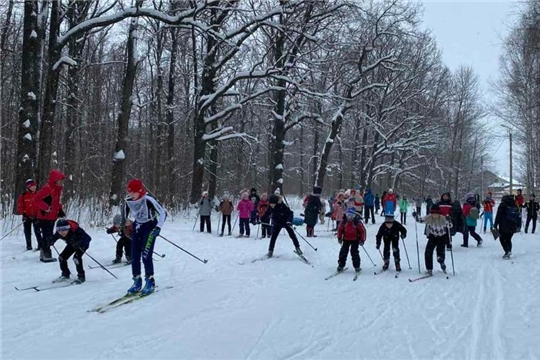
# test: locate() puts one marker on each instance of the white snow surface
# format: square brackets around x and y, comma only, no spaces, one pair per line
[28,136]
[275,309]
[120,155]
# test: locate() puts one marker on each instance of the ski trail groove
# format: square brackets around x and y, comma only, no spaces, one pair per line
[476,325]
[497,318]
[265,331]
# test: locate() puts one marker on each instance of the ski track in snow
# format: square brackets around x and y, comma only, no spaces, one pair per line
[278,308]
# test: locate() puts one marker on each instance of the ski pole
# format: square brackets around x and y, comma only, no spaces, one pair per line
[97,262]
[155,253]
[187,252]
[417,248]
[235,220]
[451,252]
[10,231]
[380,253]
[370,259]
[195,223]
[294,228]
[218,222]
[258,228]
[406,253]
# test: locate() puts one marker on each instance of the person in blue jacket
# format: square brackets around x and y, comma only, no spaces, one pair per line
[369,203]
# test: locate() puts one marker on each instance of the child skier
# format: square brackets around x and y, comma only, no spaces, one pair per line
[25,207]
[149,217]
[77,242]
[123,245]
[261,209]
[244,207]
[351,234]
[282,217]
[390,232]
[437,232]
[206,204]
[226,208]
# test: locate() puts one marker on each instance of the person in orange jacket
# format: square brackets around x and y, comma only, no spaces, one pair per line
[25,207]
[49,209]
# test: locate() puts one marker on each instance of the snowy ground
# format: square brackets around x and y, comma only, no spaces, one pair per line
[279,308]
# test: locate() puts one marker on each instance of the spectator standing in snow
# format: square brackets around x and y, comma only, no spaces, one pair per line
[532,207]
[377,203]
[403,208]
[312,207]
[226,208]
[389,202]
[418,203]
[261,209]
[254,197]
[507,223]
[472,214]
[369,201]
[488,205]
[205,210]
[245,208]
[25,207]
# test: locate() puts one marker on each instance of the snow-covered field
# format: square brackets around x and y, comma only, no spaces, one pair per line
[279,308]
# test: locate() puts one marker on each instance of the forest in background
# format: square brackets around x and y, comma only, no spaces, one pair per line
[226,95]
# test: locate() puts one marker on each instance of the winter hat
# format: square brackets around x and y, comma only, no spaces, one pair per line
[205,193]
[29,182]
[136,185]
[435,209]
[253,190]
[317,190]
[263,195]
[62,225]
[389,218]
[351,213]
[390,191]
[117,219]
[273,199]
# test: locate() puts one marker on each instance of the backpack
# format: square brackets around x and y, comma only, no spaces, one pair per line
[513,218]
[474,214]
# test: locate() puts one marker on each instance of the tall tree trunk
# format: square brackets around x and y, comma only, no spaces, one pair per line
[28,112]
[170,117]
[363,159]
[302,170]
[118,169]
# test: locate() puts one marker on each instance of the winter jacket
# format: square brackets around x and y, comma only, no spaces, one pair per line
[436,225]
[245,207]
[226,207]
[403,205]
[253,194]
[281,214]
[76,237]
[126,230]
[390,203]
[501,223]
[338,210]
[458,219]
[206,205]
[532,208]
[418,201]
[377,201]
[520,200]
[488,205]
[262,207]
[391,233]
[313,207]
[369,198]
[145,209]
[445,205]
[350,230]
[466,212]
[25,204]
[47,200]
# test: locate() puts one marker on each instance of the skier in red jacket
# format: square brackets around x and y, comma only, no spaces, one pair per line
[49,209]
[351,235]
[25,207]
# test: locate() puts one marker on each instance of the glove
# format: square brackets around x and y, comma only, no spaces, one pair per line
[340,241]
[378,246]
[110,231]
[402,236]
[61,213]
[362,242]
[25,218]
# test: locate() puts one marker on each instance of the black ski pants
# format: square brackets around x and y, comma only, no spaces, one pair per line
[403,218]
[265,230]
[370,213]
[506,241]
[205,219]
[77,259]
[352,247]
[46,228]
[244,225]
[394,244]
[435,242]
[471,230]
[123,246]
[28,223]
[529,219]
[276,232]
[226,219]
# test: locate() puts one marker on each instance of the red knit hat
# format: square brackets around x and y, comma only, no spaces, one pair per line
[136,185]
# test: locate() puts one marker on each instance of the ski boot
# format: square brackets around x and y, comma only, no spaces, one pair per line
[137,285]
[62,278]
[443,267]
[270,254]
[149,286]
[507,255]
[78,281]
[429,272]
[479,243]
[299,251]
[398,266]
[339,268]
[28,248]
[117,261]
[221,234]
[386,264]
[357,270]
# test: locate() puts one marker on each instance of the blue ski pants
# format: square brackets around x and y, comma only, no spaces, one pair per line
[141,239]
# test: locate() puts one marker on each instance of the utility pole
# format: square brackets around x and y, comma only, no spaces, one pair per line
[482,176]
[511,179]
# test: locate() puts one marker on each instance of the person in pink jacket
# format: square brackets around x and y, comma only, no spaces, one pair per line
[244,207]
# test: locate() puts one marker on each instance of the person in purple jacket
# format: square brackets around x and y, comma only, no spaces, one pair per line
[244,207]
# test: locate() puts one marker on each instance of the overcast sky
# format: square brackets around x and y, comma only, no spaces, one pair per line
[470,33]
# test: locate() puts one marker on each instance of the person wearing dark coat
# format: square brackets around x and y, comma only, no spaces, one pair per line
[282,217]
[377,203]
[77,242]
[312,205]
[532,207]
[390,232]
[369,204]
[254,198]
[505,227]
